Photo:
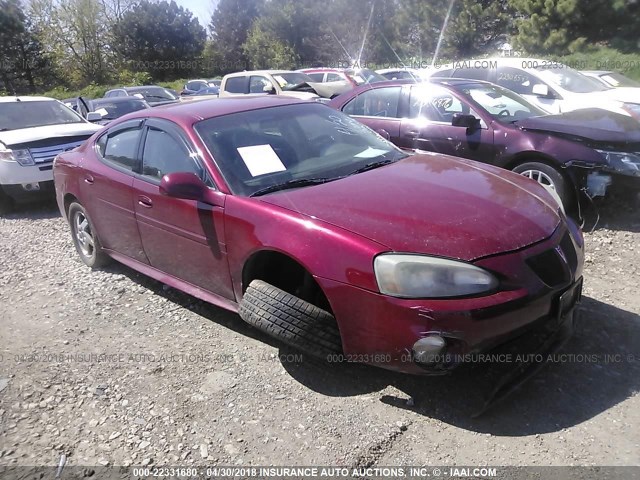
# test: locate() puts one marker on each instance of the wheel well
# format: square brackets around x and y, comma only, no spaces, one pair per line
[536,157]
[285,273]
[68,200]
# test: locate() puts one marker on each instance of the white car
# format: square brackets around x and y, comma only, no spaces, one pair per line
[554,87]
[33,130]
[268,82]
[611,79]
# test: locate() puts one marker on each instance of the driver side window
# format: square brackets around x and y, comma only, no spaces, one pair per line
[165,154]
[379,102]
[257,84]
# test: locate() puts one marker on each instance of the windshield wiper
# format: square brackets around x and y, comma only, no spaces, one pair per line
[301,182]
[372,165]
[4,129]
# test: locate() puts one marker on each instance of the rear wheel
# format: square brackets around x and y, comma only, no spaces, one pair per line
[548,177]
[290,319]
[85,238]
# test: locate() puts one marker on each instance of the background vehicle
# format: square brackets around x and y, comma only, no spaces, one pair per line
[268,82]
[482,121]
[195,86]
[33,130]
[552,86]
[110,108]
[292,213]
[204,94]
[417,74]
[152,94]
[355,76]
[611,79]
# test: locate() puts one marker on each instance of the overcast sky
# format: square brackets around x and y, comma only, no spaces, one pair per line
[203,9]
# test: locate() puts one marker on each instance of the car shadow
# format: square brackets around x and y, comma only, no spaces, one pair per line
[597,369]
[38,210]
[590,374]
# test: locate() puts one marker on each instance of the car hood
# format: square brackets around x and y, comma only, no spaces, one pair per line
[592,123]
[431,204]
[33,134]
[623,94]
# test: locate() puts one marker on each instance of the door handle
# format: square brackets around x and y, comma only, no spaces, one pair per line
[89,179]
[413,133]
[145,201]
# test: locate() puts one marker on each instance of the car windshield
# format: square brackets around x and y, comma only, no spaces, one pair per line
[291,145]
[364,75]
[111,109]
[153,94]
[615,79]
[16,115]
[502,104]
[569,79]
[290,80]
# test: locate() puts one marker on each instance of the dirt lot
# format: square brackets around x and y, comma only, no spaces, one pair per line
[110,367]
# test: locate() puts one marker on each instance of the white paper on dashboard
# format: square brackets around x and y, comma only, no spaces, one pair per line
[261,159]
[102,111]
[370,153]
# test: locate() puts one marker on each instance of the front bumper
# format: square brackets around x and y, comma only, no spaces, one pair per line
[25,183]
[382,331]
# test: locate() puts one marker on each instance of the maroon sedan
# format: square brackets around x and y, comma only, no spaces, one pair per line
[584,150]
[321,233]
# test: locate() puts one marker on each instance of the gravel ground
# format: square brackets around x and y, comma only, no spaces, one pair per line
[112,368]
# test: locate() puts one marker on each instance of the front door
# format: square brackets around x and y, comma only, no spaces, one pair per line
[183,238]
[378,109]
[428,126]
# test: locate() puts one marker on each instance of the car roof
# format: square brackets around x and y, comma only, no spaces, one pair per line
[116,99]
[597,72]
[187,113]
[25,99]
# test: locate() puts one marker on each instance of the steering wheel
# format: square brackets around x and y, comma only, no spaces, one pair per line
[322,143]
[504,113]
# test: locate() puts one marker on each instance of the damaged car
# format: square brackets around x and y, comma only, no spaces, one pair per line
[579,151]
[323,234]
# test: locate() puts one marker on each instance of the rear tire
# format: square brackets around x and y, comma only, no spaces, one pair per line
[85,237]
[549,176]
[290,319]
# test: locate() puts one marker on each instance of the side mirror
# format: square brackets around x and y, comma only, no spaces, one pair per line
[268,89]
[94,117]
[540,90]
[188,186]
[466,121]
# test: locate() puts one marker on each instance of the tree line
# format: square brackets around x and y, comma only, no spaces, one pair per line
[75,43]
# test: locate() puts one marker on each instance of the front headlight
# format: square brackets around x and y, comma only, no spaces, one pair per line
[23,157]
[622,162]
[419,276]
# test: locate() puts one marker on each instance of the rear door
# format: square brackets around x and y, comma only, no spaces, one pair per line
[428,126]
[107,187]
[183,238]
[379,109]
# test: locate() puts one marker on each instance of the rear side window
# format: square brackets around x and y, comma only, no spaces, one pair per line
[119,148]
[334,77]
[381,102]
[316,77]
[235,85]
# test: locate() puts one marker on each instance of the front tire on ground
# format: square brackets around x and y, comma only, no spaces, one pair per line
[85,238]
[548,176]
[290,319]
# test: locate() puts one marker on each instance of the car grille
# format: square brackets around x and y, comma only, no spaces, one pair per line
[47,154]
[557,265]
